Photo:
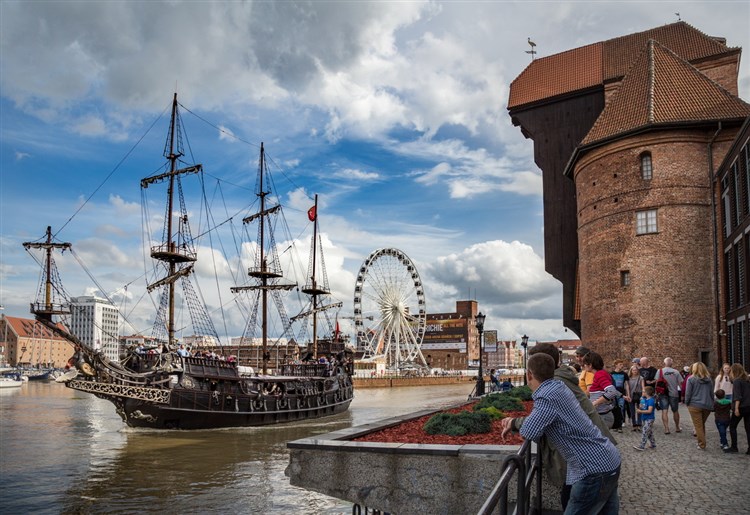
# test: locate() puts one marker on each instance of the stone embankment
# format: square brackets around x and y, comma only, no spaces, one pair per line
[390,382]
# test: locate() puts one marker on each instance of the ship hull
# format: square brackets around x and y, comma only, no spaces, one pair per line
[137,413]
[240,403]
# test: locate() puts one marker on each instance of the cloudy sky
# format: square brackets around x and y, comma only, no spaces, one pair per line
[394,113]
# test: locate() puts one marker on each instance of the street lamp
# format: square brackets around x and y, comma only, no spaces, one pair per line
[480,379]
[525,344]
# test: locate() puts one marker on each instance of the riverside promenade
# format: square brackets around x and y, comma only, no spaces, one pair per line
[677,477]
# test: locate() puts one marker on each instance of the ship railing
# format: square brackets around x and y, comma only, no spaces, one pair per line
[527,468]
[307,370]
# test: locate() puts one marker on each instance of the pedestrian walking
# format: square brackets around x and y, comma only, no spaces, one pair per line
[620,380]
[722,416]
[699,398]
[724,381]
[635,388]
[671,398]
[646,409]
[740,405]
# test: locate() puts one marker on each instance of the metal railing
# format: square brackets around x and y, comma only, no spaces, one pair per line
[527,467]
[488,388]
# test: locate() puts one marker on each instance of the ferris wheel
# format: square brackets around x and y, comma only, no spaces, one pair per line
[389,310]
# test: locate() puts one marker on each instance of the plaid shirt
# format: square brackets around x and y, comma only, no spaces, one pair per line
[558,415]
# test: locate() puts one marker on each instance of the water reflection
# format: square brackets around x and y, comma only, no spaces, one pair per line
[63,451]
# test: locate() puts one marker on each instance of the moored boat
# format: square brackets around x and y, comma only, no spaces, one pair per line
[11,381]
[170,389]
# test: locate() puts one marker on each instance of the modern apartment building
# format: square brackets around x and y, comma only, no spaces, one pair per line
[96,322]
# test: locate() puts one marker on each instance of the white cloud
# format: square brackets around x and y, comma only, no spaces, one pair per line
[356,175]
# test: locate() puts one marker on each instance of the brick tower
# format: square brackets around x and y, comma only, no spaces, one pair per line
[629,146]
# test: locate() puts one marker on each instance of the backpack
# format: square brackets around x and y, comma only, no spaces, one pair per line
[661,387]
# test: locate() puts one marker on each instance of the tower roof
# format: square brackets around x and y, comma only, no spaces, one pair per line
[596,64]
[662,88]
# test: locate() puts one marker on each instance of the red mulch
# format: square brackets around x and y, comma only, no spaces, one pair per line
[412,432]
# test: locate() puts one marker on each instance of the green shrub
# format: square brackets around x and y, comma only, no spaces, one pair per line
[521,392]
[458,424]
[493,412]
[500,401]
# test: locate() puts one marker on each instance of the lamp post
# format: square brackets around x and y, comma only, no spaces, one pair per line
[480,328]
[525,344]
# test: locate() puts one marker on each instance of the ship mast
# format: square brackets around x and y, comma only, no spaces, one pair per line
[176,255]
[315,288]
[266,268]
[47,308]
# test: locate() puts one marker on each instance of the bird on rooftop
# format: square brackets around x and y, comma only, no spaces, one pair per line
[531,42]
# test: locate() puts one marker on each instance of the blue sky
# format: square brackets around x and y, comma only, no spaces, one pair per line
[394,113]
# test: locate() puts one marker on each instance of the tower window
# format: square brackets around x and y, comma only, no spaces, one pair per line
[646,167]
[645,222]
[624,278]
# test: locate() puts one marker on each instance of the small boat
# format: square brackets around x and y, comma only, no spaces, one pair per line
[35,374]
[11,381]
[167,388]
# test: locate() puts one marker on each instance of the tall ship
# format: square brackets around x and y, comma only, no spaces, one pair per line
[166,386]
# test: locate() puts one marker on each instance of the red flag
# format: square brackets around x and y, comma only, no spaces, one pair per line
[311,214]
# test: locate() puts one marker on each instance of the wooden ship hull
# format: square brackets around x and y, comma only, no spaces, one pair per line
[199,393]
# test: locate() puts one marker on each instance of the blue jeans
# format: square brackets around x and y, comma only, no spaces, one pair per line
[722,427]
[594,494]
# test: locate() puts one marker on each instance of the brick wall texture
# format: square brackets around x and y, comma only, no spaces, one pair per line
[668,309]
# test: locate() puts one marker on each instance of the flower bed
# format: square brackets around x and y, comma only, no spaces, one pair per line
[412,431]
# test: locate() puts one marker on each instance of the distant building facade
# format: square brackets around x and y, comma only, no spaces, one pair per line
[451,340]
[629,134]
[26,342]
[734,184]
[96,322]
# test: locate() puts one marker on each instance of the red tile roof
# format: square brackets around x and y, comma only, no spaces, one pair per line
[593,65]
[662,88]
[29,328]
[558,74]
[686,41]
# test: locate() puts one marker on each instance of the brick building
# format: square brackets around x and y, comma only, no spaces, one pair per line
[26,342]
[734,181]
[629,134]
[451,340]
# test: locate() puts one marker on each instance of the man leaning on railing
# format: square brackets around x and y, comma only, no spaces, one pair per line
[593,461]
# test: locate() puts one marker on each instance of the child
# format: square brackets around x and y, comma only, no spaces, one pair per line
[646,410]
[722,409]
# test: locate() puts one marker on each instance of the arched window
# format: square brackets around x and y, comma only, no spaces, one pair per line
[646,168]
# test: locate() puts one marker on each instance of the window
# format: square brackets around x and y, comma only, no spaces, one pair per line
[624,278]
[646,168]
[645,222]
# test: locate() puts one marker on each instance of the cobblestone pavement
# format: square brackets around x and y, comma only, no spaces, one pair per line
[677,477]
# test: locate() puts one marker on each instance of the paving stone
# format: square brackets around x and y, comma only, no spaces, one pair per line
[678,478]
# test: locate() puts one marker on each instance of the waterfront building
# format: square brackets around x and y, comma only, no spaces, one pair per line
[26,342]
[629,134]
[451,340]
[96,322]
[199,341]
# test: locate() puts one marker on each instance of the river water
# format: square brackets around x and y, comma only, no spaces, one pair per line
[63,451]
